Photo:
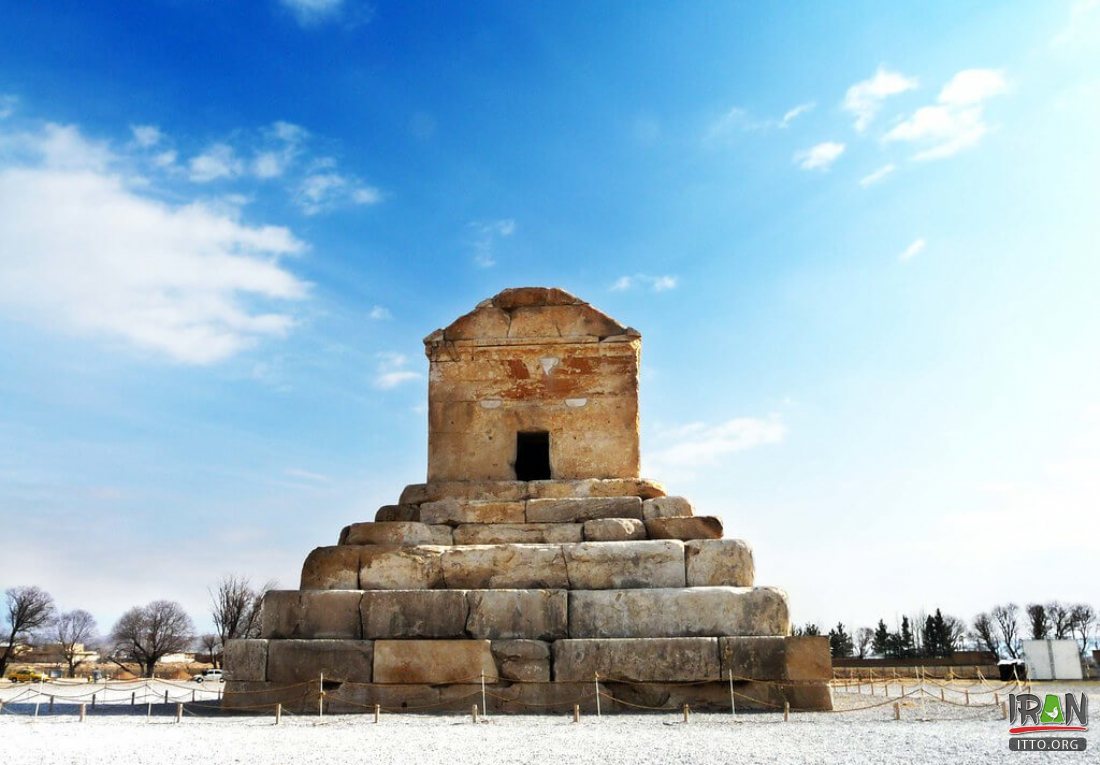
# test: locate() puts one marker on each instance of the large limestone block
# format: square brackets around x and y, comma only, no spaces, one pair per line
[595,487]
[432,661]
[523,660]
[395,533]
[404,513]
[501,491]
[613,530]
[331,568]
[517,533]
[579,510]
[651,660]
[776,658]
[719,563]
[414,614]
[301,661]
[506,614]
[401,568]
[503,567]
[615,565]
[455,511]
[245,660]
[311,614]
[688,612]
[699,527]
[666,507]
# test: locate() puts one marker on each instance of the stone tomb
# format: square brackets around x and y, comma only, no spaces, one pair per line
[534,557]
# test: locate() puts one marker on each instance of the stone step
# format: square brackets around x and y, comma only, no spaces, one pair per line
[571,565]
[511,491]
[461,662]
[547,614]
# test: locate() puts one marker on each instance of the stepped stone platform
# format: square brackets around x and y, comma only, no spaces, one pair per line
[534,557]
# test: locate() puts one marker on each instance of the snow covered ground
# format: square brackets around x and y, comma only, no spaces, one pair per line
[929,731]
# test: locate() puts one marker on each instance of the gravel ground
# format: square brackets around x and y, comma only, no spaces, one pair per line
[931,731]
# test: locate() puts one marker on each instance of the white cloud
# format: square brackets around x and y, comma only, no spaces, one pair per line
[957,121]
[324,191]
[864,99]
[700,444]
[912,251]
[309,475]
[284,142]
[89,250]
[392,372]
[795,113]
[380,313]
[877,175]
[653,283]
[8,103]
[146,136]
[217,162]
[819,157]
[310,12]
[486,237]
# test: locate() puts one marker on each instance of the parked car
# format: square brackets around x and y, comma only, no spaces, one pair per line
[26,676]
[209,676]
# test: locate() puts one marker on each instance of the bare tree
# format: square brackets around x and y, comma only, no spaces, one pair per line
[864,637]
[985,633]
[209,643]
[236,607]
[28,609]
[72,629]
[146,634]
[1059,615]
[1009,626]
[954,632]
[1038,620]
[1082,617]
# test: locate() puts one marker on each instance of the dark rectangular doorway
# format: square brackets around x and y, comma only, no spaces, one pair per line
[533,456]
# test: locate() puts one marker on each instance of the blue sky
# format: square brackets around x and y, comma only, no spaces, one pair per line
[860,243]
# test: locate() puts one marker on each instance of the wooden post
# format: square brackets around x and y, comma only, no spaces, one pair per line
[942,698]
[598,695]
[484,705]
[996,700]
[897,711]
[786,711]
[93,701]
[83,711]
[733,704]
[179,711]
[576,713]
[279,712]
[321,697]
[133,698]
[377,712]
[1004,710]
[165,695]
[967,696]
[51,705]
[192,695]
[872,687]
[687,713]
[473,712]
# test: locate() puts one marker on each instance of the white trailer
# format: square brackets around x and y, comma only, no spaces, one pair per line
[1052,660]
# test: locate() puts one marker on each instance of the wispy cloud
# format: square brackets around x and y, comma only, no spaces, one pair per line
[1083,27]
[738,120]
[308,475]
[957,120]
[380,313]
[700,444]
[819,157]
[645,281]
[392,371]
[487,234]
[146,136]
[219,161]
[795,113]
[311,12]
[864,99]
[8,104]
[912,251]
[877,175]
[323,191]
[89,248]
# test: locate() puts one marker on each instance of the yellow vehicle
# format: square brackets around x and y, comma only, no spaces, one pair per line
[26,676]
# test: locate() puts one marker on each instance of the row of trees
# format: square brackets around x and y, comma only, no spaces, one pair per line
[143,635]
[999,630]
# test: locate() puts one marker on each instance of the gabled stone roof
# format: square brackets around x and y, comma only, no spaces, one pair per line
[532,314]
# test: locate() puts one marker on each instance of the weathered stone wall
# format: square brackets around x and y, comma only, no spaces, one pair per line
[533,359]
